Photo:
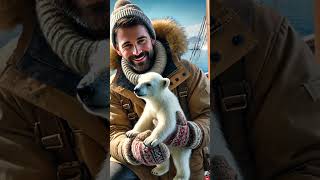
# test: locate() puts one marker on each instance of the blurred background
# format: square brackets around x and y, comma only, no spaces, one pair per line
[299,12]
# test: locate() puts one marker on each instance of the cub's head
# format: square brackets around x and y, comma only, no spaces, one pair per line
[151,85]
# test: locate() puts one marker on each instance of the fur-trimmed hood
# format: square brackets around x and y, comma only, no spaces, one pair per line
[166,29]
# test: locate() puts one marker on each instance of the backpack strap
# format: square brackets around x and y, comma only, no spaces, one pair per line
[128,107]
[182,93]
[231,96]
[55,135]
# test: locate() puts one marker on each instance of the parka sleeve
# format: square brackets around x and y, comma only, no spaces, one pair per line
[119,125]
[199,102]
[286,129]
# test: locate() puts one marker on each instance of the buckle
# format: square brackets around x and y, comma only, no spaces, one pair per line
[183,93]
[70,170]
[52,141]
[132,116]
[234,103]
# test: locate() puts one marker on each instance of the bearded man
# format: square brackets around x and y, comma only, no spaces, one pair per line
[57,67]
[141,46]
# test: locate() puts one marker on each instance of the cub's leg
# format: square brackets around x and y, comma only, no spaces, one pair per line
[181,158]
[144,123]
[166,125]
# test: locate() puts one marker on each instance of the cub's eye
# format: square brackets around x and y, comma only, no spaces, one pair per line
[148,84]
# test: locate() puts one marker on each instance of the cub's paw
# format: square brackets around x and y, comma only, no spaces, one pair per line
[160,170]
[132,133]
[151,142]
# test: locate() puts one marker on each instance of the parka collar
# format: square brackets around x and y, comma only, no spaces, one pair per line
[230,34]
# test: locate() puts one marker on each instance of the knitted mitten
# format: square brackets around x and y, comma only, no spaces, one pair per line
[221,169]
[135,152]
[187,133]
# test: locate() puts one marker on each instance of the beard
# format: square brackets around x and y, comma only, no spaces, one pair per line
[92,19]
[141,67]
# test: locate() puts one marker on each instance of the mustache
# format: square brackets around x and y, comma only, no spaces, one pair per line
[144,53]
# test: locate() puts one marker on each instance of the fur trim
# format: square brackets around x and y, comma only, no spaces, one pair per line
[167,29]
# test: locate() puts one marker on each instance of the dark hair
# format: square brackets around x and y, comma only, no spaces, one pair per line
[127,22]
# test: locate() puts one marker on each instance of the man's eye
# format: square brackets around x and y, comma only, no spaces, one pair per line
[148,84]
[127,46]
[141,41]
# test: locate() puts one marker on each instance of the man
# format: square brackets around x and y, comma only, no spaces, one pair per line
[60,58]
[140,46]
[266,90]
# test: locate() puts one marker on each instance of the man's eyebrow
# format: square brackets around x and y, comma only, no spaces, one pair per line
[142,37]
[125,43]
[139,38]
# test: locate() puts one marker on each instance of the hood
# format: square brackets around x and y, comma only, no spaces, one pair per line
[167,30]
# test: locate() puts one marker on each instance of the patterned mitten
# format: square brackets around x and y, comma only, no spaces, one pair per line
[186,134]
[136,153]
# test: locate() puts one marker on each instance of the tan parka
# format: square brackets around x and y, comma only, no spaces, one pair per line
[178,71]
[283,116]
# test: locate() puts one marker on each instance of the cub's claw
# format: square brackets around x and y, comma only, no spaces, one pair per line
[131,133]
[151,142]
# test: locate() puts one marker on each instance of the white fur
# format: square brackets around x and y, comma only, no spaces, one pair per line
[161,104]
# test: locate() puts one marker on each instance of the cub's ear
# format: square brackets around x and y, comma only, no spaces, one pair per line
[166,82]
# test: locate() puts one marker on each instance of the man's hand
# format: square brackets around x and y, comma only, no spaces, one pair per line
[135,152]
[186,134]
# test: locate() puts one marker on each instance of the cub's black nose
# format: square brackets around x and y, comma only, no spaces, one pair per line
[136,90]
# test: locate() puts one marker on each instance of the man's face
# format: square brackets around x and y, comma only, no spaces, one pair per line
[91,14]
[135,45]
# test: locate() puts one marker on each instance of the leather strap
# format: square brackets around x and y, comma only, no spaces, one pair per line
[182,92]
[232,93]
[55,135]
[128,107]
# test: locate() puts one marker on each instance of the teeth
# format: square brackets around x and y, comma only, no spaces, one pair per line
[140,58]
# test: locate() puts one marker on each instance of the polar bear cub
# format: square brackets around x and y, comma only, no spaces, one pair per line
[161,104]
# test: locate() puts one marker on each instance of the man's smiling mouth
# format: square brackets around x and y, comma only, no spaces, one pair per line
[140,59]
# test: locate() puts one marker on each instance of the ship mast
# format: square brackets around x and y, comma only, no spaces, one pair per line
[200,41]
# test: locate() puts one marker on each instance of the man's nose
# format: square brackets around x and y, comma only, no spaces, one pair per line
[136,50]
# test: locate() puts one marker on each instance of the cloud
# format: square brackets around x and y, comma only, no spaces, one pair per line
[192,30]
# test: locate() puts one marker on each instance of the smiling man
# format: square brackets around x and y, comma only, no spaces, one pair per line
[141,46]
[136,46]
[60,58]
